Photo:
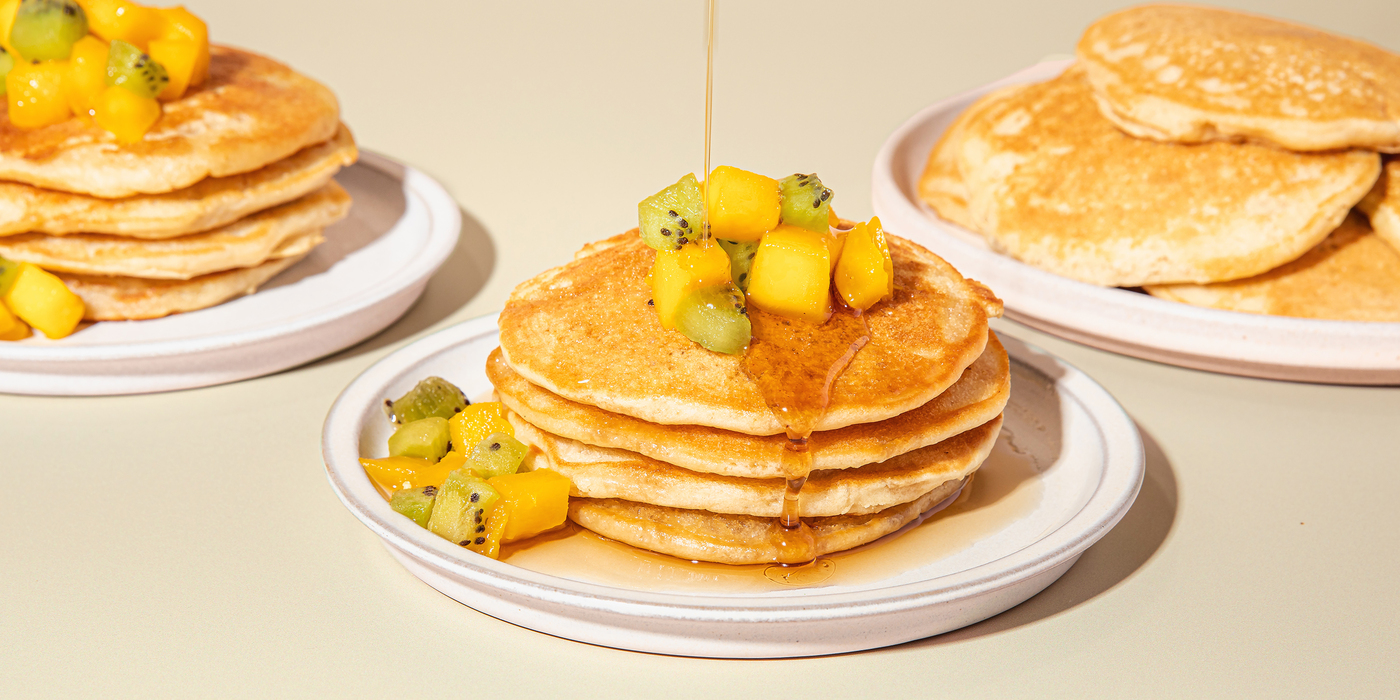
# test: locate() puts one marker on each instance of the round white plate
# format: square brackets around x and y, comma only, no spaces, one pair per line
[1073,457]
[372,267]
[1119,320]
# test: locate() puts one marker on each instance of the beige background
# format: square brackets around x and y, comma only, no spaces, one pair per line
[187,544]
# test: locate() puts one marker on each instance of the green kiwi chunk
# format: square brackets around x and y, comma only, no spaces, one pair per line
[45,30]
[498,454]
[806,202]
[671,218]
[433,396]
[427,438]
[6,63]
[415,504]
[9,270]
[741,254]
[129,68]
[460,507]
[715,317]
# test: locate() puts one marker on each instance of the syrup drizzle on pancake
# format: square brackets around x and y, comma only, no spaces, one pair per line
[794,364]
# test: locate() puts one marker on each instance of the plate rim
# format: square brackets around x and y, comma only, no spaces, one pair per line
[1227,335]
[443,232]
[1120,480]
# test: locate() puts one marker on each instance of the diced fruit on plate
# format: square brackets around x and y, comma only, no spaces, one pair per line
[396,473]
[536,501]
[35,94]
[415,504]
[806,202]
[715,317]
[498,454]
[475,422]
[426,438]
[677,273]
[433,396]
[865,273]
[124,113]
[792,274]
[87,74]
[742,205]
[127,21]
[460,507]
[740,260]
[41,300]
[671,218]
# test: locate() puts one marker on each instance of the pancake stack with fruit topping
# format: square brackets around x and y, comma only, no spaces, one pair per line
[1210,157]
[778,387]
[144,171]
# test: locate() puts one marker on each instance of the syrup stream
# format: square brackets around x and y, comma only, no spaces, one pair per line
[709,94]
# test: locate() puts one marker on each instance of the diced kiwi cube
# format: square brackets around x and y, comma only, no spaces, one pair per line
[9,270]
[806,202]
[460,507]
[671,218]
[427,438]
[498,454]
[741,254]
[716,318]
[45,30]
[433,396]
[415,504]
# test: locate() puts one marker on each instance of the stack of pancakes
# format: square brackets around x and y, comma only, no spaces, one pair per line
[230,187]
[671,447]
[1209,157]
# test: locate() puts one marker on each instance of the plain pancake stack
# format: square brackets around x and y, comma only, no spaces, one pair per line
[671,447]
[232,185]
[1207,156]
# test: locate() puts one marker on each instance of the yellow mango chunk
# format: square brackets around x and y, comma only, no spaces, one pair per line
[41,300]
[791,274]
[394,473]
[7,22]
[475,423]
[180,57]
[865,273]
[35,92]
[126,114]
[119,19]
[11,328]
[677,273]
[535,502]
[497,520]
[742,205]
[182,24]
[87,75]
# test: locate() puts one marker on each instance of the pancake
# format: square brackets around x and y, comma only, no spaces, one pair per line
[133,298]
[1351,276]
[700,535]
[207,204]
[1196,74]
[1056,185]
[600,472]
[274,233]
[976,398]
[250,112]
[941,186]
[1382,204]
[584,331]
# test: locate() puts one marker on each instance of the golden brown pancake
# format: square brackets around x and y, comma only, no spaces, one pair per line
[1351,276]
[1382,204]
[250,112]
[737,539]
[584,332]
[278,232]
[601,472]
[133,298]
[207,204]
[1056,185]
[941,185]
[976,398]
[1195,74]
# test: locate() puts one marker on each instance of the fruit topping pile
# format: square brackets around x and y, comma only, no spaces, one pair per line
[775,244]
[29,297]
[113,61]
[454,468]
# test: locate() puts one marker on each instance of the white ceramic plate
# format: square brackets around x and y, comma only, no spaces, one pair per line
[372,267]
[1067,467]
[1120,320]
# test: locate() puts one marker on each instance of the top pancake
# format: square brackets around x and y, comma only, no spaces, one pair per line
[585,332]
[1194,74]
[1056,185]
[1382,205]
[941,186]
[250,112]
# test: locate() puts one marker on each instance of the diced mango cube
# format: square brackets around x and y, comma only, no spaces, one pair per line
[182,24]
[41,300]
[126,114]
[865,273]
[87,74]
[8,8]
[35,92]
[742,205]
[535,502]
[180,58]
[497,521]
[11,328]
[474,423]
[394,473]
[791,274]
[677,273]
[120,19]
